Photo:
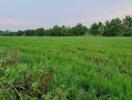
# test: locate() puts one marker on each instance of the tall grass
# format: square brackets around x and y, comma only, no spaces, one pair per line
[65,68]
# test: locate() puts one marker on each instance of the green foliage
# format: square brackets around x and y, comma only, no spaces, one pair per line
[40,32]
[112,28]
[77,30]
[94,29]
[115,27]
[127,21]
[128,32]
[97,29]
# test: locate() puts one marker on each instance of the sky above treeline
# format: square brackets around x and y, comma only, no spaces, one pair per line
[25,14]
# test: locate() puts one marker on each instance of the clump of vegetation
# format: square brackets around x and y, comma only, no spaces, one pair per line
[18,81]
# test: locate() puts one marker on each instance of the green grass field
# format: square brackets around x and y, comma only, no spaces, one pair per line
[66,68]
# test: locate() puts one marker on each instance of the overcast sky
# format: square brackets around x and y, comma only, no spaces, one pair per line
[24,14]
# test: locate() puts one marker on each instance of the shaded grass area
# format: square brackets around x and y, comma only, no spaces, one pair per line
[66,68]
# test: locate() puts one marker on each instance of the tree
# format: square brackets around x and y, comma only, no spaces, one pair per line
[112,28]
[55,31]
[100,28]
[64,31]
[20,33]
[94,29]
[29,32]
[1,33]
[79,29]
[40,32]
[127,26]
[128,32]
[128,21]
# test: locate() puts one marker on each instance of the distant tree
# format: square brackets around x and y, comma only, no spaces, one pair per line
[79,29]
[127,21]
[12,33]
[112,28]
[100,28]
[55,31]
[127,26]
[128,32]
[1,33]
[48,32]
[64,31]
[94,29]
[29,32]
[20,33]
[40,32]
[107,29]
[6,33]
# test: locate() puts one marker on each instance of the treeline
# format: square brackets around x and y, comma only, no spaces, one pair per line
[114,27]
[77,30]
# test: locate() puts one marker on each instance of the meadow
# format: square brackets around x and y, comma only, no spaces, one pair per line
[65,68]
